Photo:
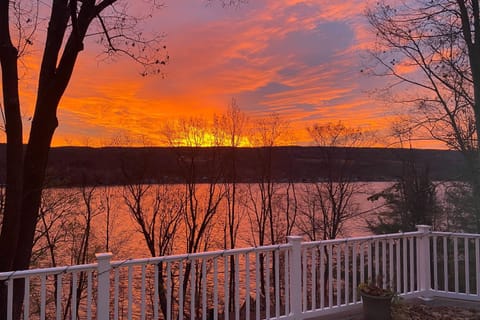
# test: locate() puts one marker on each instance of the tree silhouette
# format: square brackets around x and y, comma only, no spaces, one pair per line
[67,24]
[434,48]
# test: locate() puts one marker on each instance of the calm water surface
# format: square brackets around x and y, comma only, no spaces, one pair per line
[126,240]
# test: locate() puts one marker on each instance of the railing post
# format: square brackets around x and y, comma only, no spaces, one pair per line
[295,277]
[103,285]
[423,256]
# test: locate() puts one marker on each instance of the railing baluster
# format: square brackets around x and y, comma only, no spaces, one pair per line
[330,275]
[181,293]
[412,265]
[405,260]
[445,264]
[390,262]
[156,301]
[354,272]
[322,276]
[215,288]
[116,295]
[43,295]
[130,292]
[287,281]
[384,264]
[74,296]
[418,258]
[204,289]
[370,262]
[10,299]
[58,298]
[398,264]
[226,287]
[277,283]
[142,293]
[156,292]
[346,273]
[247,286]
[169,291]
[267,285]
[304,279]
[257,285]
[377,258]
[455,259]
[362,261]
[339,274]
[237,287]
[89,295]
[314,279]
[192,288]
[435,263]
[26,301]
[467,265]
[477,265]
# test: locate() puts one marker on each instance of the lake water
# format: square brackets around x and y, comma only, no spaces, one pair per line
[67,212]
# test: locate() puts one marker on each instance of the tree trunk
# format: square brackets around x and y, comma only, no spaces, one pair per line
[36,158]
[471,34]
[11,218]
[55,74]
[25,178]
[13,126]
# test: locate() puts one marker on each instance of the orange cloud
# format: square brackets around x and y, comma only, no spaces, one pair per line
[301,59]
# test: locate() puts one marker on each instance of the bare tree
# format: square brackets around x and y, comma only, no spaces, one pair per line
[65,235]
[156,209]
[58,208]
[197,164]
[264,197]
[107,203]
[229,130]
[266,134]
[434,48]
[330,202]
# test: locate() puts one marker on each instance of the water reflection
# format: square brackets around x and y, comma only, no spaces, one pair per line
[146,220]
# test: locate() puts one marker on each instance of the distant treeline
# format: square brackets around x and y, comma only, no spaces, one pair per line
[73,166]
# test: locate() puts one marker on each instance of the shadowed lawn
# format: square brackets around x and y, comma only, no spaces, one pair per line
[416,309]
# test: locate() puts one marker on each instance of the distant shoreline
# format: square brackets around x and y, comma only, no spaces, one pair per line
[75,166]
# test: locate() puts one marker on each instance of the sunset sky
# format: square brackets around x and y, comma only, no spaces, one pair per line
[300,59]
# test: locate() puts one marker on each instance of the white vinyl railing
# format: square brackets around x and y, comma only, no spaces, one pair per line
[296,280]
[455,267]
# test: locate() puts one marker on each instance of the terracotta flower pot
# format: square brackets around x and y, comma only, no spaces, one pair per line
[376,307]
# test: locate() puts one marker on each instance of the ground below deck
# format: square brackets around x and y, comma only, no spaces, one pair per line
[417,309]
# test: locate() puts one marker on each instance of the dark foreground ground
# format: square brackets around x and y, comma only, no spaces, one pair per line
[417,309]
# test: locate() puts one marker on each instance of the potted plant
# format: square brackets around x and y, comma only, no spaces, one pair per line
[377,301]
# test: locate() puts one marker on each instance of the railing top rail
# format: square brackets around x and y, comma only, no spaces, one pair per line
[361,239]
[155,260]
[47,271]
[455,234]
[221,253]
[200,255]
